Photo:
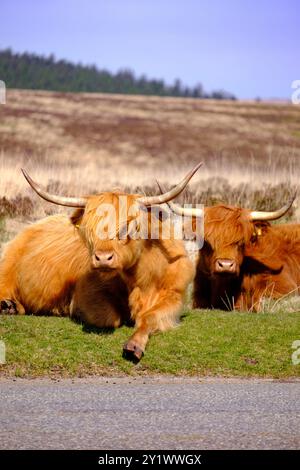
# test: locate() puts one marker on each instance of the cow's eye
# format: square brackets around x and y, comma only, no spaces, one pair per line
[241,245]
[207,246]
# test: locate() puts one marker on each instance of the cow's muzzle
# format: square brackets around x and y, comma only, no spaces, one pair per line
[225,266]
[104,260]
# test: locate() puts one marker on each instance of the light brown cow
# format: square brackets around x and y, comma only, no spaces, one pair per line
[65,267]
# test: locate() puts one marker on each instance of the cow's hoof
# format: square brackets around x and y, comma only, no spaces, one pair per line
[132,352]
[8,307]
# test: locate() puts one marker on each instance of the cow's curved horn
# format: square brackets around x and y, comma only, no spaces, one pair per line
[165,197]
[60,200]
[183,211]
[261,215]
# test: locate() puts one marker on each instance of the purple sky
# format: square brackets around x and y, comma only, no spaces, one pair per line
[251,48]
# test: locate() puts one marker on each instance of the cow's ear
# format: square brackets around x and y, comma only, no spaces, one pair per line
[76,217]
[260,229]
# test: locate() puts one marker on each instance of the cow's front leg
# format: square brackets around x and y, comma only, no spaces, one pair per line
[162,316]
[134,348]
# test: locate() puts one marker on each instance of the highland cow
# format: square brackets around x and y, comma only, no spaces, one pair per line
[66,267]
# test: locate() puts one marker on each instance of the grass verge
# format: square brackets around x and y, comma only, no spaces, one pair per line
[206,343]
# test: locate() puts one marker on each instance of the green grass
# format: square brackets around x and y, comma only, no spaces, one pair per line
[206,343]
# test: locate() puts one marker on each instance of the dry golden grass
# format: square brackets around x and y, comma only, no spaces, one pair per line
[82,143]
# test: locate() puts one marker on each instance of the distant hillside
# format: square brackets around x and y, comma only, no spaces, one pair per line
[31,71]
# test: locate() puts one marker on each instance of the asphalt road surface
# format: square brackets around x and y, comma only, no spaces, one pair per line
[157,413]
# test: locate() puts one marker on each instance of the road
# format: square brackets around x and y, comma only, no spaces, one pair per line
[150,413]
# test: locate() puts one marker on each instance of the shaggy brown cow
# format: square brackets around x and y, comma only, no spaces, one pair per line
[244,258]
[47,267]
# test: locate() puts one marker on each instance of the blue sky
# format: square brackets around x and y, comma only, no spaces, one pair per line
[251,48]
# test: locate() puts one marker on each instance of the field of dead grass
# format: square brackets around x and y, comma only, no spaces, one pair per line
[81,143]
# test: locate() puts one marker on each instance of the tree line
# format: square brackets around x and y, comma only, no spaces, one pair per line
[32,71]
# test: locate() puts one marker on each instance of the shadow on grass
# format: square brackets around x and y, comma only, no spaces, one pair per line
[98,330]
[94,329]
[103,331]
[184,316]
